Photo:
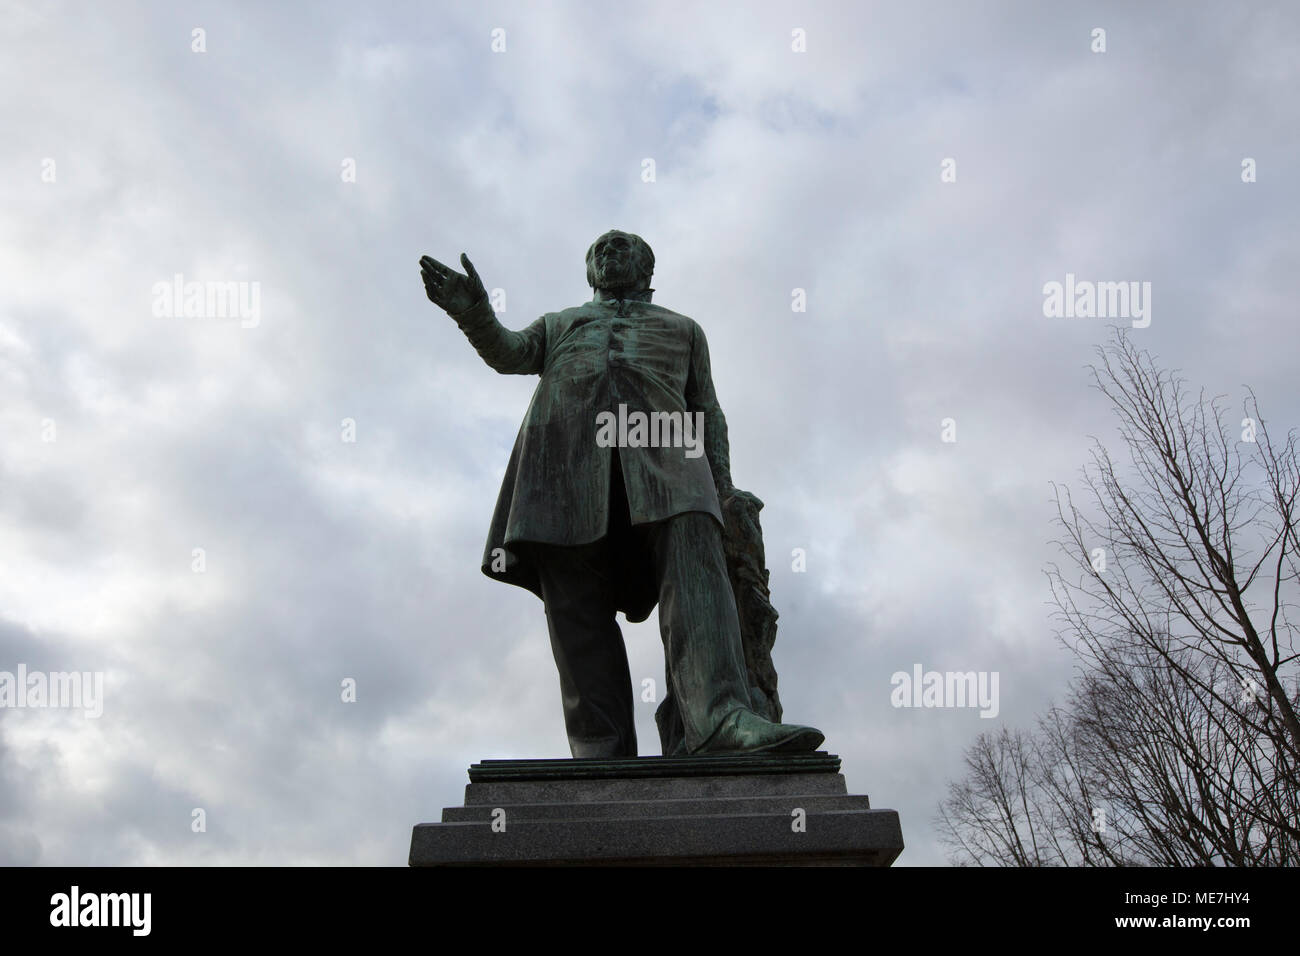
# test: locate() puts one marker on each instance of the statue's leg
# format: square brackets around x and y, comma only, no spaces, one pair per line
[703,655]
[672,737]
[595,684]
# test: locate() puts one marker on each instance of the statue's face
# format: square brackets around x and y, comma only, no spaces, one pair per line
[619,261]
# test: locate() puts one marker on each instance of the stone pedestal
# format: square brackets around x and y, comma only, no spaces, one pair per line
[756,810]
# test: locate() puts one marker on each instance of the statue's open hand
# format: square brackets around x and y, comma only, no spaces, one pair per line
[447,288]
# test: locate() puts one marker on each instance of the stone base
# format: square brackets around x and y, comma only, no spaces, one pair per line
[734,810]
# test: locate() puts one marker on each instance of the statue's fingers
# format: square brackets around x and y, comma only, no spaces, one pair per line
[433,266]
[469,268]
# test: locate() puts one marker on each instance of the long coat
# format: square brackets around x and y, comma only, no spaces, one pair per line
[594,358]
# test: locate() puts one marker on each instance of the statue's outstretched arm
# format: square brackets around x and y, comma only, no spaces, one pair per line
[464,298]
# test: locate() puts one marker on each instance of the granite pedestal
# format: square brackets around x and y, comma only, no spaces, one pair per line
[735,810]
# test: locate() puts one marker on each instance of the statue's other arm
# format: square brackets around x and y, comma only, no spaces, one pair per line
[700,397]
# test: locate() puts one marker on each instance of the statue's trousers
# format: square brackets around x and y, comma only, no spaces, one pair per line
[703,656]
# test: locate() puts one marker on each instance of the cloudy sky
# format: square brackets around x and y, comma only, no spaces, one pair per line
[319,154]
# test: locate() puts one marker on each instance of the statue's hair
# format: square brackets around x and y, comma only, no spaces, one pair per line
[643,258]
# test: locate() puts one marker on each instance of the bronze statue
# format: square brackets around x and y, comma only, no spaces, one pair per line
[594,525]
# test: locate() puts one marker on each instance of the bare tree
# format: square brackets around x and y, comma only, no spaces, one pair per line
[1180,743]
[1191,546]
[987,816]
[1180,778]
[1138,768]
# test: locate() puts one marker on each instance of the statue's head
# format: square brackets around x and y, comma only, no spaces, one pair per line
[620,262]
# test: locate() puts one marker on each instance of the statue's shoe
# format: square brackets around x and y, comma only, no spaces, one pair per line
[745,732]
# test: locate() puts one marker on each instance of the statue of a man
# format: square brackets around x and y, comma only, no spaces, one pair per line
[595,526]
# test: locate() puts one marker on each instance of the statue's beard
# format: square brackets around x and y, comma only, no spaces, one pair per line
[617,276]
